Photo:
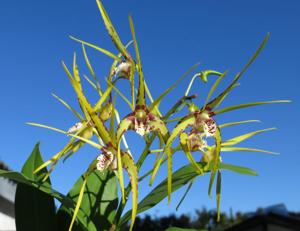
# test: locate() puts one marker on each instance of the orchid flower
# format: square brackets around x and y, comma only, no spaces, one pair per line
[142,119]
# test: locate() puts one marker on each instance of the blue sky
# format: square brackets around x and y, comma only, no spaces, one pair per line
[173,36]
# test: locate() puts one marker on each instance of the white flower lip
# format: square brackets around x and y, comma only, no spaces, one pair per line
[106,161]
[75,128]
[141,128]
[122,67]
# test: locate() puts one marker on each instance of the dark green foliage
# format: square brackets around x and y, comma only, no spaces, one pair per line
[98,206]
[34,209]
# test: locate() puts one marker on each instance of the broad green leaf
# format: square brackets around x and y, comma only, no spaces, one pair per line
[106,52]
[241,149]
[180,178]
[69,107]
[212,104]
[111,31]
[99,202]
[44,186]
[217,112]
[238,139]
[34,209]
[129,165]
[237,123]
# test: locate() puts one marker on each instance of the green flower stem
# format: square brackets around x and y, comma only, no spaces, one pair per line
[191,83]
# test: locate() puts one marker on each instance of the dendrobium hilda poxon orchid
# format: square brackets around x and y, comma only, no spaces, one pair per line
[196,134]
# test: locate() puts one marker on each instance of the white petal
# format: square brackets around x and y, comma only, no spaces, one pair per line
[75,128]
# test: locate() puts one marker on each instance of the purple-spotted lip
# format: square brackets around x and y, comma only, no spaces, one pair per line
[106,160]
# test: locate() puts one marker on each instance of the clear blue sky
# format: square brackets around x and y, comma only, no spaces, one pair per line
[173,35]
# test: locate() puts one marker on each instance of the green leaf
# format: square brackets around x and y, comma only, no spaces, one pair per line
[98,205]
[44,186]
[180,178]
[34,209]
[235,107]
